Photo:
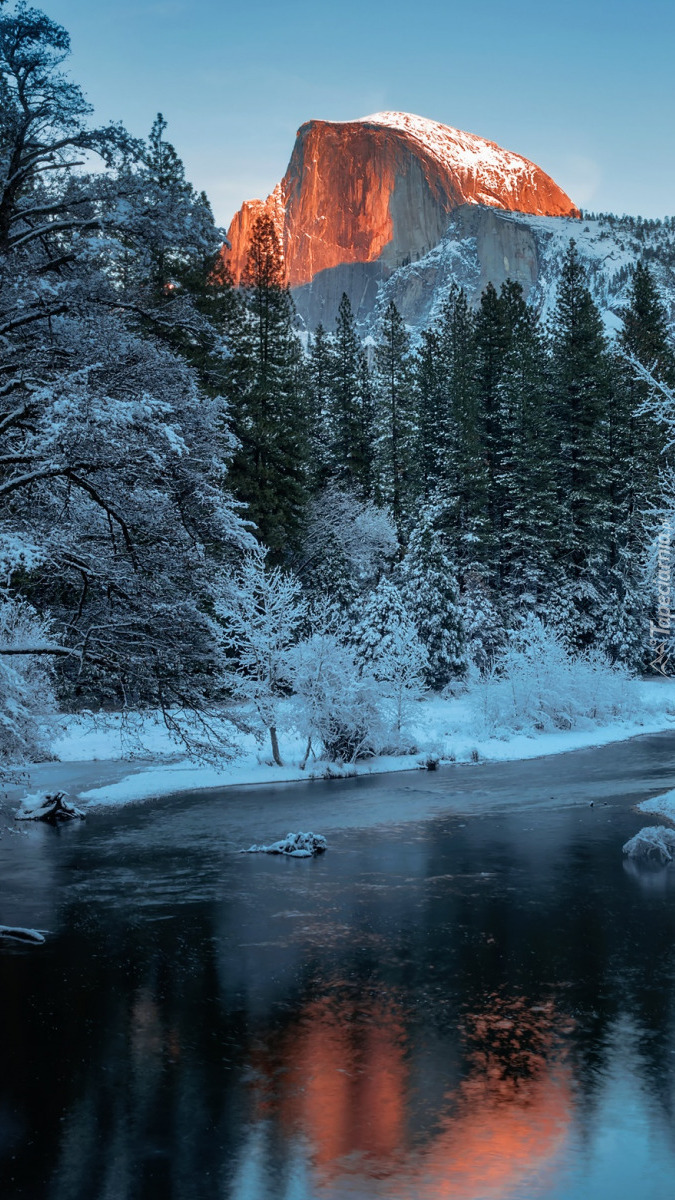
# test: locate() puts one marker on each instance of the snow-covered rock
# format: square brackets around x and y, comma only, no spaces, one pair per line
[295,845]
[52,808]
[654,842]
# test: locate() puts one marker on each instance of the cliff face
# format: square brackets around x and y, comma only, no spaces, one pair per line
[380,191]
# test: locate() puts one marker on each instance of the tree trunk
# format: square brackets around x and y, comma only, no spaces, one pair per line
[275,746]
[303,764]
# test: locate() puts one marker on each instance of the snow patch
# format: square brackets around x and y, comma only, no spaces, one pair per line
[662,806]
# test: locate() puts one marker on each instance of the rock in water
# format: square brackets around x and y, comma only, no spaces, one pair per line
[654,843]
[53,809]
[295,845]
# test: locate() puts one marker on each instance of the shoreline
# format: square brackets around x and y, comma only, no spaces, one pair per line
[103,785]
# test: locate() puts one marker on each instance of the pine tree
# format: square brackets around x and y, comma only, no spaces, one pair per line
[388,647]
[637,445]
[320,368]
[644,337]
[524,467]
[645,326]
[582,395]
[430,593]
[464,478]
[496,320]
[351,406]
[378,618]
[431,387]
[396,420]
[270,471]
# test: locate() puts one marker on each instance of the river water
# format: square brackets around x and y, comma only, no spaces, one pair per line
[475,1005]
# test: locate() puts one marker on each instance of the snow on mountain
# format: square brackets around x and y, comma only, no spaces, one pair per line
[499,174]
[483,246]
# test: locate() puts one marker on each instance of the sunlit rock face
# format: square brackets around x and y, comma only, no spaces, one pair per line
[361,198]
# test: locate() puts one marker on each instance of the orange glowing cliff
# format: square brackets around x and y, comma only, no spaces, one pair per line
[382,188]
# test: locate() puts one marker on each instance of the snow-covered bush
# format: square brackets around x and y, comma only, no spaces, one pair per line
[337,705]
[540,684]
[261,612]
[294,845]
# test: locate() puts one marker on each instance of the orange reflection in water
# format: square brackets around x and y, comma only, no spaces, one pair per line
[340,1077]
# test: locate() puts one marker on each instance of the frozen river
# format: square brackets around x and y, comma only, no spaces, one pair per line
[471,995]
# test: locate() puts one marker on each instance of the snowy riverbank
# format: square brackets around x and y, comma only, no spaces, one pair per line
[449,731]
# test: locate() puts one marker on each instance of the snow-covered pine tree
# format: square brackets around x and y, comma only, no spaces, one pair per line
[640,456]
[643,460]
[464,478]
[396,421]
[388,647]
[379,613]
[492,338]
[645,333]
[524,462]
[430,593]
[483,622]
[433,405]
[269,408]
[581,372]
[174,223]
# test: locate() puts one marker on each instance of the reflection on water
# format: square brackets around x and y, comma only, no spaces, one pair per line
[473,1009]
[339,1088]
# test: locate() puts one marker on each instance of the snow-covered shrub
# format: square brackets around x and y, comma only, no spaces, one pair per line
[540,684]
[54,808]
[294,845]
[261,612]
[337,705]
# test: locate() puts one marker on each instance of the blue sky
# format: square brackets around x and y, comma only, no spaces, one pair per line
[587,90]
